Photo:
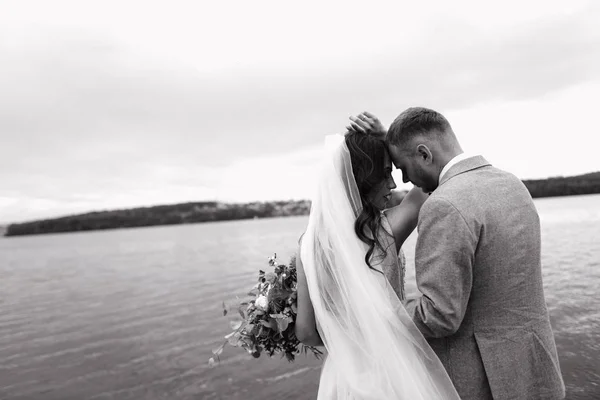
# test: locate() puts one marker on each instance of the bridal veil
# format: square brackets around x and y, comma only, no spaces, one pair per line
[374,349]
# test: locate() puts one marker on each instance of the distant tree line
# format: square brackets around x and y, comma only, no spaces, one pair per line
[564,186]
[187,213]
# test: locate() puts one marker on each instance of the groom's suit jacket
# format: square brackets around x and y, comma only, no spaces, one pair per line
[478,268]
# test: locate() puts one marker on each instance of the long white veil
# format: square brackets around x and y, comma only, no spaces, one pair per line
[374,349]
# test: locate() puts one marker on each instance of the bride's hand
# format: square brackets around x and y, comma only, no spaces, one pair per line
[366,122]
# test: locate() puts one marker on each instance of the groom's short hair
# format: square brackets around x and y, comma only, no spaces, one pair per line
[416,121]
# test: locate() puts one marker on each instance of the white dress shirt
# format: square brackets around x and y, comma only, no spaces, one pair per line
[458,158]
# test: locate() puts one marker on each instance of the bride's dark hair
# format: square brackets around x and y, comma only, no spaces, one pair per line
[367,155]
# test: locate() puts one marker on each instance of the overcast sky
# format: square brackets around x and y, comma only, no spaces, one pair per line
[115,104]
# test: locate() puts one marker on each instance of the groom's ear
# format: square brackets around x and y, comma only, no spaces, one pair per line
[425,154]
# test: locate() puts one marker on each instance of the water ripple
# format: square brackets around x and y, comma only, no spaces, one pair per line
[134,314]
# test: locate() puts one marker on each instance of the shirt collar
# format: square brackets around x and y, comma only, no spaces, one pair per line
[455,160]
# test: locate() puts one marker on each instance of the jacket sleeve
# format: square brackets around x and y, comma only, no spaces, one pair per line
[444,268]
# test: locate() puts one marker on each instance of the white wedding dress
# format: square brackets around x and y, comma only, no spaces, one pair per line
[374,349]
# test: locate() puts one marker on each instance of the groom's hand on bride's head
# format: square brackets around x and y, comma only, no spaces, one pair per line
[367,123]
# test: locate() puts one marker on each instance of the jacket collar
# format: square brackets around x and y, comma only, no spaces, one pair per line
[463,166]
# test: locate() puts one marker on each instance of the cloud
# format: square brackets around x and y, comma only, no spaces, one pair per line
[82,92]
[276,177]
[96,115]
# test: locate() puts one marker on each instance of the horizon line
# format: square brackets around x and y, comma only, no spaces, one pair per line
[6,224]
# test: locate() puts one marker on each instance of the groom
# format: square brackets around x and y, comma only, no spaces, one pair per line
[478,267]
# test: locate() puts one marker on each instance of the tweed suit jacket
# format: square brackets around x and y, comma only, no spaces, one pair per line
[478,268]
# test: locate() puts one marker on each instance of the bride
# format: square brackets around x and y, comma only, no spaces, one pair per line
[351,280]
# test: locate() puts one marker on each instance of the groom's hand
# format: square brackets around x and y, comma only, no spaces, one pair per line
[367,123]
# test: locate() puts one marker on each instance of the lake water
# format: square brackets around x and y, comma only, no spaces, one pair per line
[135,313]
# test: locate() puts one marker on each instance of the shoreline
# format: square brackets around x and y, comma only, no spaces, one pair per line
[212,211]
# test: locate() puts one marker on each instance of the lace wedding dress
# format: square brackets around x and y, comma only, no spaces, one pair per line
[393,265]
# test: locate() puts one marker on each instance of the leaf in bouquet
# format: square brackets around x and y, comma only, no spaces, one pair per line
[253,292]
[269,323]
[273,260]
[280,294]
[316,352]
[282,321]
[266,323]
[247,342]
[271,277]
[229,335]
[235,340]
[294,308]
[282,324]
[235,325]
[255,330]
[218,350]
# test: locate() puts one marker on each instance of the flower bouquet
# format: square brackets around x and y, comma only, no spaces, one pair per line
[268,316]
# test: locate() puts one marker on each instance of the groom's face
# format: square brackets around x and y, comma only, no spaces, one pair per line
[414,170]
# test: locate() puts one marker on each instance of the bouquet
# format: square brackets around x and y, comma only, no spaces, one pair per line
[268,316]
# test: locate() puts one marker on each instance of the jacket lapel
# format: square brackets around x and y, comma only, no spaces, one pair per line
[463,166]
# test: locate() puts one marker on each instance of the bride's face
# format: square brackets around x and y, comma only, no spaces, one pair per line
[381,193]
